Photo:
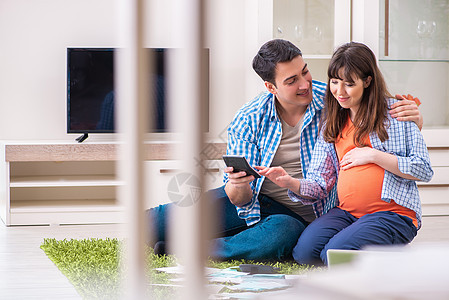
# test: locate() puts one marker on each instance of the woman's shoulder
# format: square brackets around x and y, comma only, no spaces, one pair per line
[391,100]
[396,127]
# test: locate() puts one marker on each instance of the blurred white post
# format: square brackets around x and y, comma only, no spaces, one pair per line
[365,23]
[343,34]
[132,110]
[189,224]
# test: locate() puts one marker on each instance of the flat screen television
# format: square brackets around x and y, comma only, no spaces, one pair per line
[90,90]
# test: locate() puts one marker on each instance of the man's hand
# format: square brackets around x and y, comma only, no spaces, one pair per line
[237,188]
[407,110]
[239,179]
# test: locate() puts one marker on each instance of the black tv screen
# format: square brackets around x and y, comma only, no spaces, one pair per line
[90,90]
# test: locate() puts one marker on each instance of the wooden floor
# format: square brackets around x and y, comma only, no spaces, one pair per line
[25,270]
[27,273]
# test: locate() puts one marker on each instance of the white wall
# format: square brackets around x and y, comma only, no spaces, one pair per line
[34,35]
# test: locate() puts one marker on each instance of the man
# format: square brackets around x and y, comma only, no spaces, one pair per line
[277,128]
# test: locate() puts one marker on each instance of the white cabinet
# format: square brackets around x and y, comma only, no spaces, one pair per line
[435,194]
[411,40]
[62,193]
[64,183]
[163,179]
[316,27]
[58,184]
[414,53]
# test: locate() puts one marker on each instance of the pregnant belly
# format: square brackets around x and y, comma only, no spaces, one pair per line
[359,188]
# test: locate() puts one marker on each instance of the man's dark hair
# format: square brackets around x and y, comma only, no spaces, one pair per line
[272,53]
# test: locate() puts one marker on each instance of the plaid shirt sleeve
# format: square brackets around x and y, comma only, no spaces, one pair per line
[416,161]
[255,133]
[407,143]
[240,143]
[321,176]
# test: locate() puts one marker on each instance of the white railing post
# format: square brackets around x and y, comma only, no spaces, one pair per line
[189,224]
[132,110]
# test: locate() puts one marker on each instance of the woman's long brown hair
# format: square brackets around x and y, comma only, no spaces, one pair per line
[357,61]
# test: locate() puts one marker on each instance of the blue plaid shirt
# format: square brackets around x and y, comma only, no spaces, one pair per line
[404,140]
[256,133]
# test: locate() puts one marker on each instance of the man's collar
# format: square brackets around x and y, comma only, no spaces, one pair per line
[273,112]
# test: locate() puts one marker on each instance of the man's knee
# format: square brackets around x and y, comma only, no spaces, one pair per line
[216,193]
[287,228]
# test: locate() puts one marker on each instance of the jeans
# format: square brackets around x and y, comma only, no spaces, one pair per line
[338,229]
[272,238]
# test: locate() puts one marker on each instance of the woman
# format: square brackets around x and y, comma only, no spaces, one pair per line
[373,158]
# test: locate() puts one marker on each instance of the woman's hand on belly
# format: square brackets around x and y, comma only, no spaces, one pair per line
[357,157]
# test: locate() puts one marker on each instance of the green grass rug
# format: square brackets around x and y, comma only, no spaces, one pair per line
[92,266]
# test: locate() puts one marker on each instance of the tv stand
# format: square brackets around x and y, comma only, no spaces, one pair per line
[73,183]
[82,138]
